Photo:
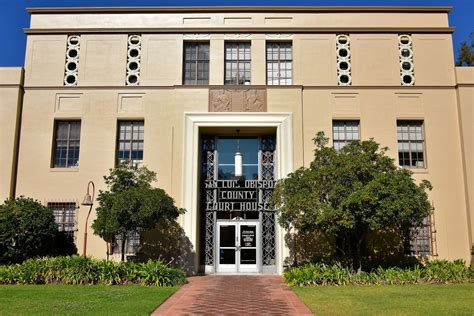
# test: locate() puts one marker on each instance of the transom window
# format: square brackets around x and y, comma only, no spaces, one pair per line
[196,63]
[226,149]
[65,216]
[237,63]
[130,141]
[411,144]
[279,63]
[66,144]
[344,132]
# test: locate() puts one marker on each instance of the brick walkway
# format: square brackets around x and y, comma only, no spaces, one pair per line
[236,295]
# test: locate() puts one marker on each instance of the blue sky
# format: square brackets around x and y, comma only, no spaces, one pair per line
[13,17]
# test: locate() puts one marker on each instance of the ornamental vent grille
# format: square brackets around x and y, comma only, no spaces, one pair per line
[407,70]
[134,54]
[343,53]
[72,60]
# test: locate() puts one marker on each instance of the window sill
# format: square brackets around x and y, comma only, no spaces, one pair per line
[64,169]
[419,170]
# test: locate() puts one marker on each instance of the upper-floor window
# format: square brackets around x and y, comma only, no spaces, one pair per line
[130,141]
[279,63]
[66,144]
[344,131]
[237,63]
[411,144]
[65,216]
[196,63]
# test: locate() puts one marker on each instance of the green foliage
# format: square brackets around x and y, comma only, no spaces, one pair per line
[466,53]
[349,193]
[27,230]
[435,272]
[131,203]
[84,270]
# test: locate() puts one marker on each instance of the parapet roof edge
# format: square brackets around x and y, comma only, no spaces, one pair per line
[212,9]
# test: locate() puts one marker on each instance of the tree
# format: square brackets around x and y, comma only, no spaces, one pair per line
[131,204]
[466,53]
[349,193]
[27,230]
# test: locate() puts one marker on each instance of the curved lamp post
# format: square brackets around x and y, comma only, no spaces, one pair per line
[88,201]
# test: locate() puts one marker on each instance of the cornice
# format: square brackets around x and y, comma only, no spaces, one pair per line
[214,9]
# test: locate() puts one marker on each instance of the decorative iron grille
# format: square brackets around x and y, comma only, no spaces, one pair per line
[268,218]
[209,173]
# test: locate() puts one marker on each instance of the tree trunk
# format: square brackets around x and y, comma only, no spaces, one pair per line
[123,247]
[295,249]
[358,257]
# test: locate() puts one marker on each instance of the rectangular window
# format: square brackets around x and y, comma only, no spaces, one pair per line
[66,144]
[279,63]
[344,132]
[132,244]
[237,63]
[411,144]
[422,239]
[65,216]
[196,63]
[130,141]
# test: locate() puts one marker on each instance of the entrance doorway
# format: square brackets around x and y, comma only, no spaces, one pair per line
[237,222]
[238,248]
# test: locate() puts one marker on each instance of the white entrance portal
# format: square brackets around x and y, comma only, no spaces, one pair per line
[191,172]
[239,247]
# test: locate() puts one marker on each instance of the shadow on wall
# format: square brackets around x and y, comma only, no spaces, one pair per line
[306,248]
[385,249]
[169,243]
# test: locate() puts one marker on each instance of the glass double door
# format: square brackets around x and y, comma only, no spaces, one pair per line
[238,248]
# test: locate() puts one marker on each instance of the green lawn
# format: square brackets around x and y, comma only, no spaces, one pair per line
[457,299]
[81,299]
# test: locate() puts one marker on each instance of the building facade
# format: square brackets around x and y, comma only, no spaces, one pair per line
[200,94]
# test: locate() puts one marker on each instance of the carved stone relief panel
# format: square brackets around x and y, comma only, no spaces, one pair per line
[238,100]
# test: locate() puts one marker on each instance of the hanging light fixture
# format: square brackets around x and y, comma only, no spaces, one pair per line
[238,158]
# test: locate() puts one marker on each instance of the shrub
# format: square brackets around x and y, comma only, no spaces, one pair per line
[435,271]
[80,270]
[27,229]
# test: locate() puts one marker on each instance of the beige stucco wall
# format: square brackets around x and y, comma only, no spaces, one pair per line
[11,92]
[230,19]
[465,95]
[376,98]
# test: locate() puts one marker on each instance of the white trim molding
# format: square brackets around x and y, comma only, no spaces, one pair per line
[283,122]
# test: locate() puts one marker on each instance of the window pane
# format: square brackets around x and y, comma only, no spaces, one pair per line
[279,63]
[344,132]
[130,143]
[237,63]
[410,143]
[196,63]
[67,140]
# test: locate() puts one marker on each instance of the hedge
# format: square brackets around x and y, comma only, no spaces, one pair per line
[85,270]
[433,272]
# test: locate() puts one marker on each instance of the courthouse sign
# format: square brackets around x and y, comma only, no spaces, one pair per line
[234,195]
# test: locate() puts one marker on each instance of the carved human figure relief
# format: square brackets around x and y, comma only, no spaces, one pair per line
[254,100]
[220,101]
